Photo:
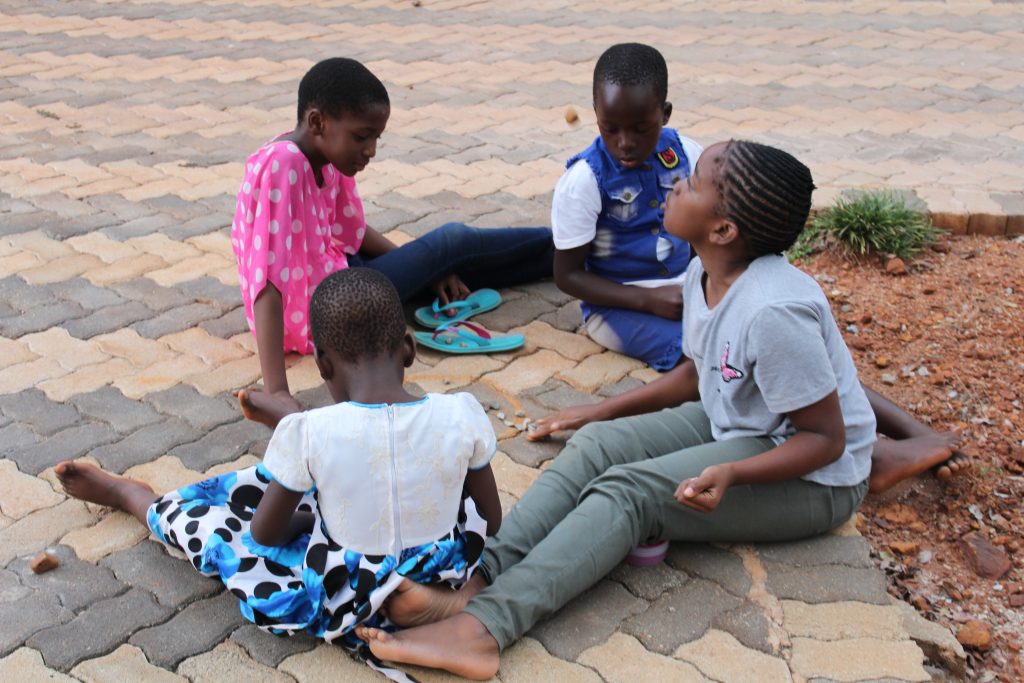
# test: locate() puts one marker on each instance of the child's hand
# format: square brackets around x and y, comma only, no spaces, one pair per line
[665,302]
[569,418]
[703,493]
[450,288]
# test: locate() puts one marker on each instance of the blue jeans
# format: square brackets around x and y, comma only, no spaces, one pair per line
[482,257]
[655,340]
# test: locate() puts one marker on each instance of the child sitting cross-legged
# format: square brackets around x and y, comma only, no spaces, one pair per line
[353,501]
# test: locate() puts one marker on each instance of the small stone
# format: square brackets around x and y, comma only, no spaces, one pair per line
[509,423]
[500,415]
[923,371]
[896,266]
[984,558]
[928,290]
[446,381]
[852,329]
[866,318]
[925,556]
[1017,600]
[904,547]
[888,378]
[520,413]
[975,634]
[44,562]
[882,361]
[571,116]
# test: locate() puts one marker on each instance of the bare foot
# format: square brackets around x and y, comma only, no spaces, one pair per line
[87,482]
[267,408]
[897,459]
[416,604]
[459,644]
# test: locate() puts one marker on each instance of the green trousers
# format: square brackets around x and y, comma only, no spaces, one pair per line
[611,489]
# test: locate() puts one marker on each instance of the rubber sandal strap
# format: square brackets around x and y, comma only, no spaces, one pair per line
[478,335]
[438,308]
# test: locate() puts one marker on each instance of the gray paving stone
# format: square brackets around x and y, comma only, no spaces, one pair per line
[32,407]
[648,583]
[155,297]
[16,435]
[748,624]
[318,397]
[139,227]
[812,552]
[548,291]
[197,628]
[98,629]
[6,310]
[23,296]
[75,583]
[11,588]
[587,621]
[224,443]
[271,650]
[681,615]
[145,445]
[176,320]
[826,583]
[41,318]
[567,318]
[228,325]
[564,396]
[86,294]
[711,563]
[202,412]
[173,581]
[622,386]
[211,291]
[21,618]
[69,444]
[515,313]
[111,406]
[530,453]
[108,319]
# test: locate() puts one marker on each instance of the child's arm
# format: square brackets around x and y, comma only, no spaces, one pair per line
[820,439]
[572,278]
[375,244]
[674,388]
[481,487]
[269,314]
[276,522]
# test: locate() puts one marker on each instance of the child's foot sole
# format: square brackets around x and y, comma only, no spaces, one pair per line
[460,645]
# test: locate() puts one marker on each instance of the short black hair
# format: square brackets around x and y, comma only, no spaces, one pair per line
[340,85]
[633,64]
[357,313]
[766,192]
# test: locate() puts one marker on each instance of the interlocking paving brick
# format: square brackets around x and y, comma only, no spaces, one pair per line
[222,444]
[722,658]
[116,531]
[530,453]
[41,318]
[176,319]
[197,628]
[228,325]
[145,445]
[25,664]
[32,407]
[23,494]
[326,662]
[98,629]
[11,588]
[561,396]
[527,660]
[228,663]
[648,583]
[202,412]
[75,583]
[567,317]
[85,294]
[153,295]
[680,615]
[173,581]
[85,379]
[711,563]
[110,405]
[588,620]
[126,663]
[269,649]
[748,624]
[826,583]
[68,444]
[623,658]
[109,319]
[21,618]
[16,435]
[858,659]
[42,528]
[812,552]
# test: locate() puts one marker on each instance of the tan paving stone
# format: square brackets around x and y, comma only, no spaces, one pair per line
[164,474]
[126,663]
[212,350]
[528,372]
[163,246]
[136,349]
[303,374]
[327,662]
[124,269]
[17,262]
[35,242]
[188,269]
[849,527]
[573,346]
[15,378]
[116,531]
[5,522]
[14,352]
[842,620]
[599,371]
[233,466]
[453,372]
[645,375]
[58,344]
[528,661]
[623,659]
[60,269]
[22,493]
[721,657]
[512,477]
[26,665]
[857,659]
[160,376]
[229,663]
[232,376]
[214,243]
[85,379]
[34,532]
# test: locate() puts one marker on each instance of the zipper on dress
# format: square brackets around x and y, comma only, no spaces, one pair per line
[394,481]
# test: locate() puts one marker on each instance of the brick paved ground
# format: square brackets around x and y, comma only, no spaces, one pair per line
[122,130]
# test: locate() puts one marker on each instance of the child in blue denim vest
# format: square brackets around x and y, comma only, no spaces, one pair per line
[612,250]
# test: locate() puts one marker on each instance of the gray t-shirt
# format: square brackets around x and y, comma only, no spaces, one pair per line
[771,346]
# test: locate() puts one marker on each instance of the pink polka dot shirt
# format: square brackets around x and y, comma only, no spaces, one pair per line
[292,233]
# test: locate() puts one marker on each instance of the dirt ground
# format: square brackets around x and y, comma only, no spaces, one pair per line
[945,341]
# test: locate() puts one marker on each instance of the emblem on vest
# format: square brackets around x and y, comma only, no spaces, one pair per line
[668,158]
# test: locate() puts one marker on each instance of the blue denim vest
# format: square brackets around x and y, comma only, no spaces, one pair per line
[631,219]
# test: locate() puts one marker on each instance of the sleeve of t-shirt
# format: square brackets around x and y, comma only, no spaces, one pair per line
[575,207]
[791,363]
[287,456]
[281,209]
[485,444]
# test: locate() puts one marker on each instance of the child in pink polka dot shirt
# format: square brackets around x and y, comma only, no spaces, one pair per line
[299,218]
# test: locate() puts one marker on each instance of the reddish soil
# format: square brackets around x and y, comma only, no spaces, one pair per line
[946,342]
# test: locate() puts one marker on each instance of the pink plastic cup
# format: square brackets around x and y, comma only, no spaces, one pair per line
[648,554]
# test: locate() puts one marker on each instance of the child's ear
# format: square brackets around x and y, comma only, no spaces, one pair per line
[724,233]
[323,364]
[315,120]
[408,350]
[666,113]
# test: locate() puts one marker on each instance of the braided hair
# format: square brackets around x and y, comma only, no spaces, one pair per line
[628,64]
[340,85]
[767,193]
[357,312]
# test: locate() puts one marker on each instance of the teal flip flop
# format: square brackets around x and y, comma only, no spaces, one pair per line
[436,314]
[463,337]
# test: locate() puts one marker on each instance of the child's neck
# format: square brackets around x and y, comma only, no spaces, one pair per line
[722,267]
[303,139]
[371,382]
